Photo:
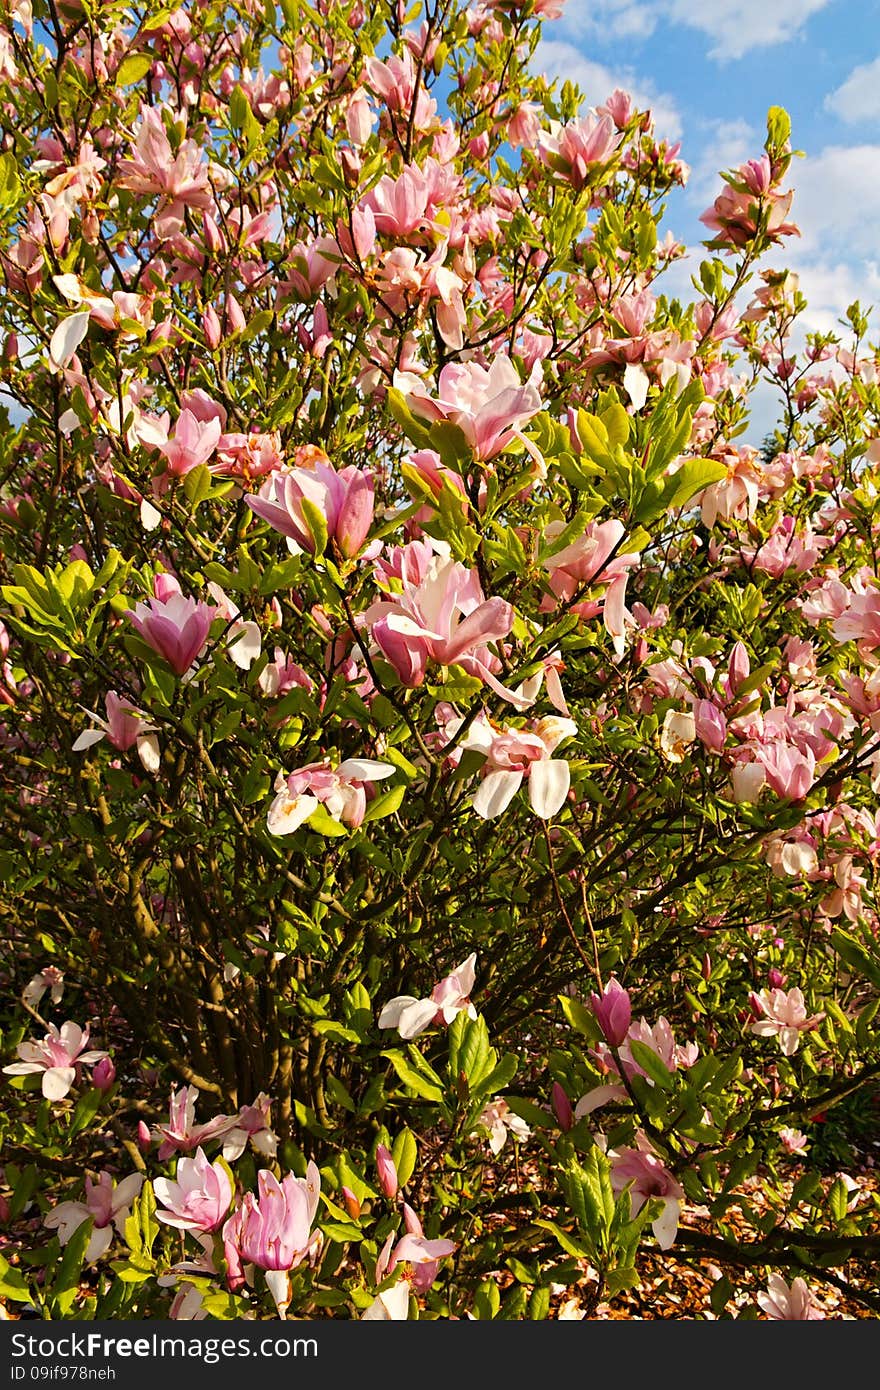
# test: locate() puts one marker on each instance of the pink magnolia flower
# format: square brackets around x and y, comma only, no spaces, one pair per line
[342,791]
[272,1230]
[181,1134]
[648,1178]
[580,149]
[179,180]
[49,978]
[414,1249]
[251,1125]
[60,1056]
[411,1016]
[441,615]
[737,210]
[298,502]
[490,405]
[592,560]
[794,1141]
[513,755]
[498,1118]
[785,1016]
[243,639]
[124,727]
[860,622]
[175,626]
[107,1205]
[784,1304]
[194,441]
[198,1199]
[613,1012]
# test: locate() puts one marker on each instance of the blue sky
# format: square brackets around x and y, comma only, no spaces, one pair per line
[709,69]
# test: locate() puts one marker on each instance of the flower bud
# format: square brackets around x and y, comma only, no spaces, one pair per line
[104,1074]
[352,1205]
[143,1137]
[387,1171]
[562,1107]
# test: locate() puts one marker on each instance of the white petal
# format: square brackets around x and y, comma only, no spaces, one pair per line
[287,813]
[244,646]
[636,383]
[390,1015]
[150,515]
[148,752]
[67,338]
[415,1018]
[87,738]
[57,1081]
[495,793]
[365,769]
[390,1306]
[666,1224]
[549,781]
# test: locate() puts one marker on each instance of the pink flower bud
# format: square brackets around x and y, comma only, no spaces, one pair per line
[387,1172]
[613,1012]
[104,1074]
[738,667]
[775,978]
[211,327]
[352,1205]
[143,1137]
[235,319]
[562,1108]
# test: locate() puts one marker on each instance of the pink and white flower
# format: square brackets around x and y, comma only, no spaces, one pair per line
[411,1016]
[341,790]
[199,1198]
[60,1057]
[106,1204]
[785,1017]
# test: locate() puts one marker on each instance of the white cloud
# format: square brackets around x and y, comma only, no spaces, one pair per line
[556,58]
[729,143]
[837,200]
[858,98]
[736,27]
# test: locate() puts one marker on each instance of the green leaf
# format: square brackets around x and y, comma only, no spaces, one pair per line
[855,956]
[132,68]
[385,804]
[405,1153]
[12,1284]
[651,1064]
[418,1076]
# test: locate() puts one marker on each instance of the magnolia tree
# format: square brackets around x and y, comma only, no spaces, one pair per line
[439,756]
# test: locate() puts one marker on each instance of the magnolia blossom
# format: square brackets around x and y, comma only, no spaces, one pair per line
[315,504]
[175,626]
[785,1015]
[244,640]
[411,1016]
[124,726]
[199,1198]
[592,560]
[441,614]
[413,1249]
[251,1125]
[647,1177]
[490,405]
[613,1012]
[272,1230]
[392,1305]
[342,791]
[513,755]
[498,1118]
[181,1134]
[59,1057]
[784,1304]
[49,978]
[106,1204]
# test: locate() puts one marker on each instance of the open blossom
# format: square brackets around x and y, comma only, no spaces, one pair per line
[106,1204]
[124,727]
[243,637]
[194,441]
[49,978]
[251,1126]
[175,626]
[441,615]
[490,405]
[785,1016]
[737,211]
[580,149]
[513,755]
[198,1199]
[784,1304]
[181,1134]
[648,1178]
[411,1016]
[59,1057]
[342,791]
[498,1118]
[317,504]
[592,560]
[272,1230]
[414,1249]
[179,180]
